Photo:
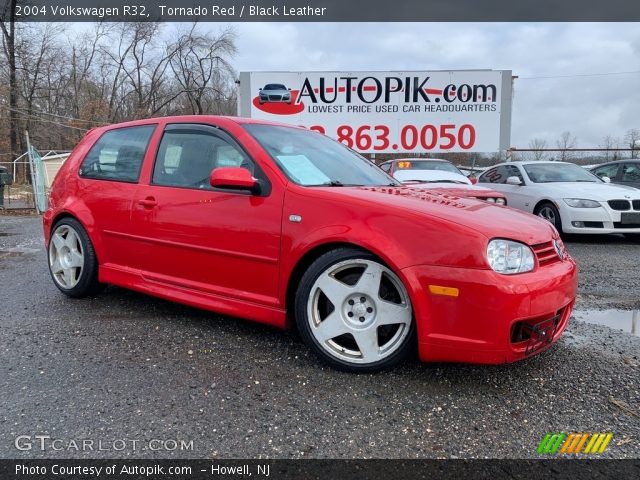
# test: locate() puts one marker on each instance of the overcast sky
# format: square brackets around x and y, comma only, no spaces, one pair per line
[590,107]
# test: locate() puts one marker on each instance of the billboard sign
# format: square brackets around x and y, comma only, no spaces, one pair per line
[386,112]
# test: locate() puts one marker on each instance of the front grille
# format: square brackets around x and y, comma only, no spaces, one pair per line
[625,225]
[275,98]
[619,205]
[636,204]
[545,253]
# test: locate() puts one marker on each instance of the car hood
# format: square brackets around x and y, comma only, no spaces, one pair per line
[488,219]
[591,191]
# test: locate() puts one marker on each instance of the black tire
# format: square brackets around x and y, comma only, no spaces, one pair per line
[404,346]
[634,237]
[85,282]
[548,207]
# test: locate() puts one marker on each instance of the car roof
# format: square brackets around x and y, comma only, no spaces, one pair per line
[196,119]
[614,162]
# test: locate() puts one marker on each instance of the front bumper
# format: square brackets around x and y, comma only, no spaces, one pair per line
[495,318]
[594,220]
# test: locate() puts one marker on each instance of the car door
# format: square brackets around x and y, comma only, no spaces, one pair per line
[108,179]
[518,196]
[630,174]
[196,237]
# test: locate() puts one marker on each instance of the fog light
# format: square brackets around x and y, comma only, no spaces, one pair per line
[578,224]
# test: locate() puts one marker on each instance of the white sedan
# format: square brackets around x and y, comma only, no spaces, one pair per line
[573,199]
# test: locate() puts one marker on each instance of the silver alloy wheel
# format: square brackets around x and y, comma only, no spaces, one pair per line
[361,321]
[66,257]
[548,214]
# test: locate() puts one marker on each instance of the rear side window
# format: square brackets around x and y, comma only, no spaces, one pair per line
[118,154]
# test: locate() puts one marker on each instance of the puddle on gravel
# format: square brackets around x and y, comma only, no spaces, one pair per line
[5,234]
[625,320]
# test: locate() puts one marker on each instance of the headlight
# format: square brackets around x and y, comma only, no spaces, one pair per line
[508,257]
[501,201]
[581,203]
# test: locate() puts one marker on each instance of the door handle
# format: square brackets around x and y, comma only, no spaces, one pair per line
[148,202]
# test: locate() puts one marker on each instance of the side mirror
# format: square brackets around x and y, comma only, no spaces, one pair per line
[234,178]
[473,179]
[514,181]
[606,179]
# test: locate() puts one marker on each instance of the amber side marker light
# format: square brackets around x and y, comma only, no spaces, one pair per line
[446,291]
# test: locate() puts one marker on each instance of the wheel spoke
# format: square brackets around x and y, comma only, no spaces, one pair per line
[68,277]
[334,290]
[58,241]
[367,341]
[369,282]
[77,260]
[72,240]
[330,327]
[56,267]
[392,313]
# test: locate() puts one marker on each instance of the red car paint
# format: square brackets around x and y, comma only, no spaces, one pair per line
[240,254]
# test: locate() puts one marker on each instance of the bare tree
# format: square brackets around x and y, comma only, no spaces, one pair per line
[565,143]
[201,67]
[609,143]
[538,145]
[8,26]
[632,140]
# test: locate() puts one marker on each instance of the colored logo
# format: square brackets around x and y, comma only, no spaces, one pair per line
[574,443]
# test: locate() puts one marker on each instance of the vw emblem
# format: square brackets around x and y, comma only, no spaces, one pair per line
[559,250]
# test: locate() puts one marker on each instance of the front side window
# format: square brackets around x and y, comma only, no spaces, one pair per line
[311,159]
[186,158]
[500,174]
[607,171]
[118,154]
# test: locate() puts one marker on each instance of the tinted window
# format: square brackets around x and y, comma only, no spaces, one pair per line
[631,172]
[118,154]
[187,157]
[500,174]
[607,171]
[427,165]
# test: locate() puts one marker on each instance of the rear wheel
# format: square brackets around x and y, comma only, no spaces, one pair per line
[72,260]
[549,212]
[354,312]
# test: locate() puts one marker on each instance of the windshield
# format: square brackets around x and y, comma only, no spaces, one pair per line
[311,159]
[274,86]
[427,165]
[559,172]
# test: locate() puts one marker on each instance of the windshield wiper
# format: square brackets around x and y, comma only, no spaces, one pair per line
[333,183]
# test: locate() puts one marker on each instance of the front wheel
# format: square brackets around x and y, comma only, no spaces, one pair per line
[549,212]
[354,312]
[72,260]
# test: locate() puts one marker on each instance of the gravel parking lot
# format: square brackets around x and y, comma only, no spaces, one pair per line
[124,366]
